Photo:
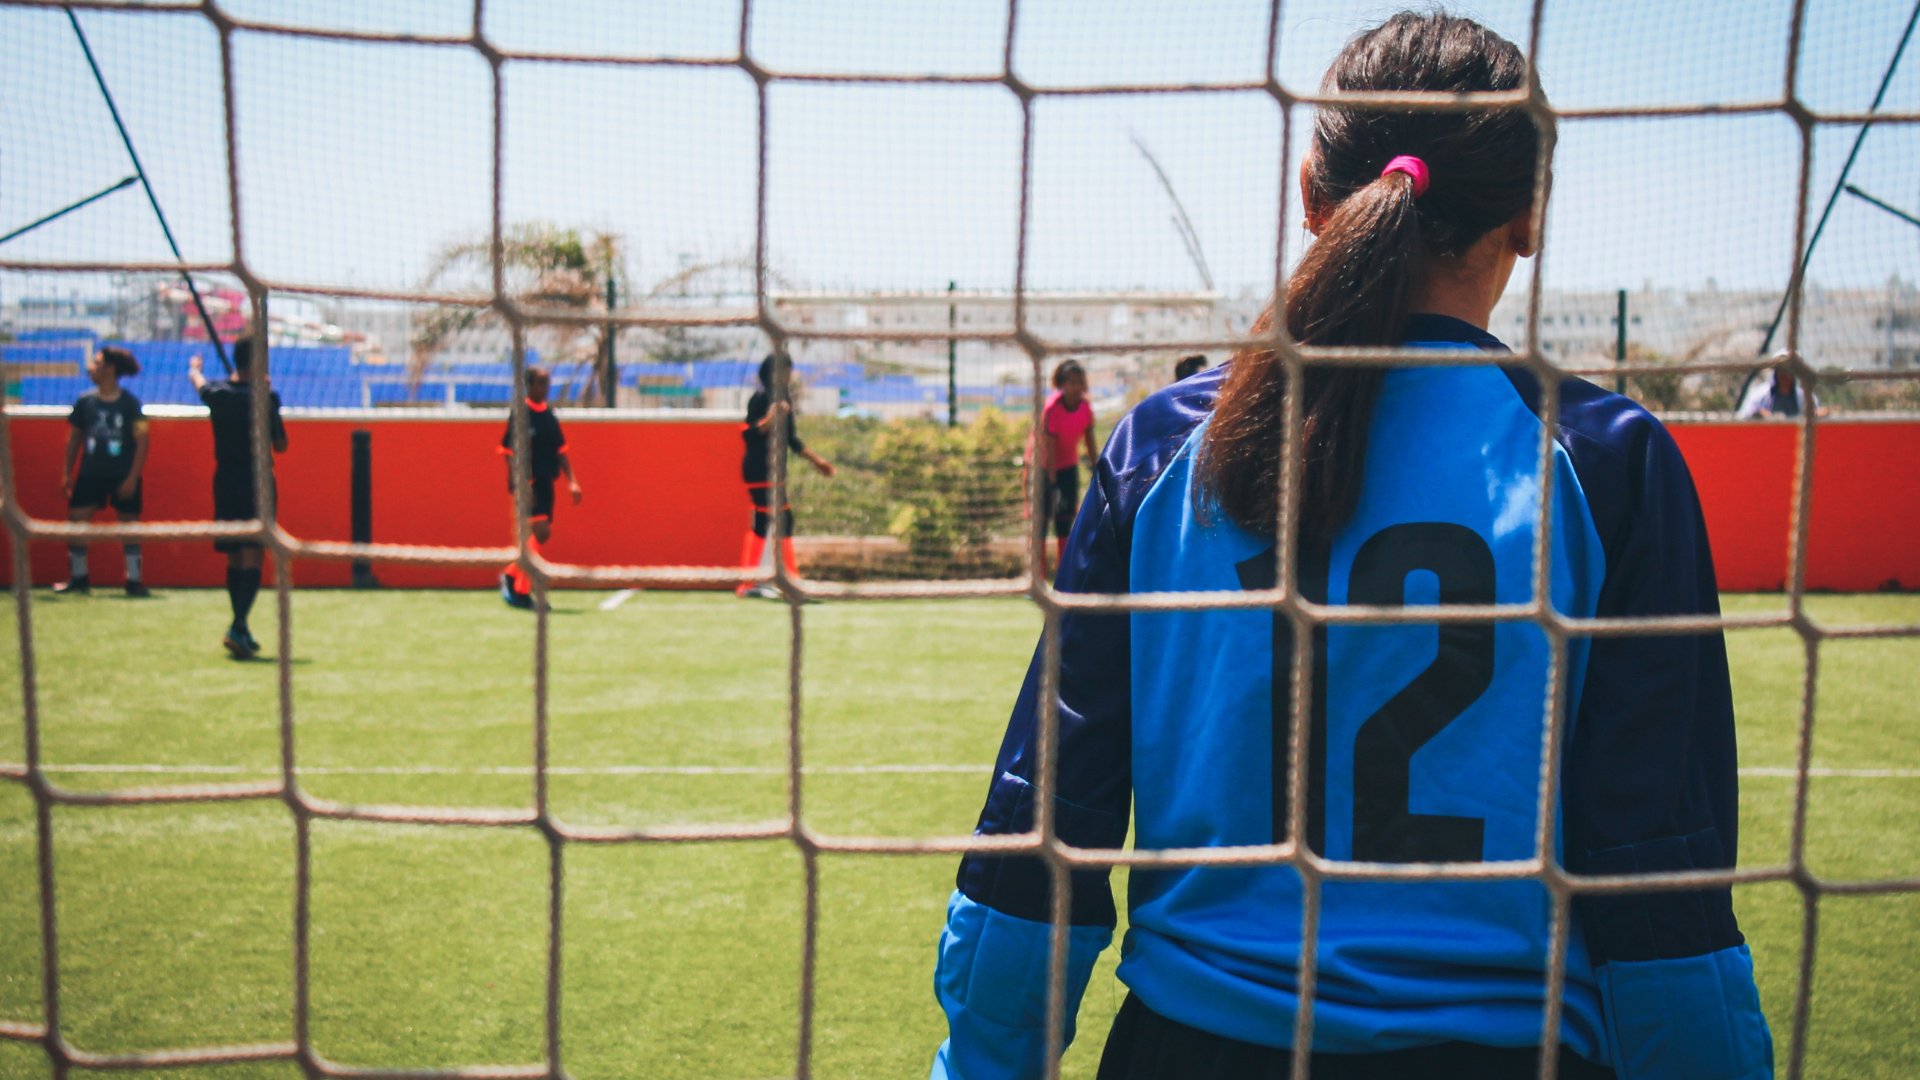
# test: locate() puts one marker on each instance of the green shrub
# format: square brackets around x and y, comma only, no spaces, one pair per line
[946,493]
[951,489]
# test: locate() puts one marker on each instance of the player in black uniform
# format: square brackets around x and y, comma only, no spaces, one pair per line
[108,443]
[757,433]
[230,407]
[549,460]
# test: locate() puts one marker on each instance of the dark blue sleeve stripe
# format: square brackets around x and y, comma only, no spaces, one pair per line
[1650,776]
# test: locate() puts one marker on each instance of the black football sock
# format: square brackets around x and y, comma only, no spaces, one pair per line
[249,589]
[236,585]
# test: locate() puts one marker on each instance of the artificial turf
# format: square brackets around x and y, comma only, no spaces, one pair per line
[683,960]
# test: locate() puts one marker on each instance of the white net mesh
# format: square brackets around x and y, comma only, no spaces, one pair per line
[480,51]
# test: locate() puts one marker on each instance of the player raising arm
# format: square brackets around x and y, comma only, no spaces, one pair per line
[548,460]
[106,451]
[1420,486]
[230,408]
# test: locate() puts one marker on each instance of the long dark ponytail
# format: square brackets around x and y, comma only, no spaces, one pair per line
[1357,283]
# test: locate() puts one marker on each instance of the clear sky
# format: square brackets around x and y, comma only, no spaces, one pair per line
[357,161]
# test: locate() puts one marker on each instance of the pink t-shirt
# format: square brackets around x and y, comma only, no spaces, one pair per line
[1066,427]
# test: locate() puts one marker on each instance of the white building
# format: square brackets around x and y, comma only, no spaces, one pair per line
[1852,329]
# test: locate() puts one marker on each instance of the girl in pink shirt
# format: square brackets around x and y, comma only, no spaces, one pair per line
[1068,420]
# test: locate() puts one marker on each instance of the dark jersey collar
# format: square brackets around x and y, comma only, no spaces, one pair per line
[1426,327]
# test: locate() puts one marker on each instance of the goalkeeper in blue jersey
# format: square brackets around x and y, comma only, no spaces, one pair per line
[1420,487]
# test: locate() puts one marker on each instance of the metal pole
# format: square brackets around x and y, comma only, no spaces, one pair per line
[64,211]
[610,374]
[1620,339]
[100,80]
[1800,272]
[1893,313]
[1851,190]
[953,378]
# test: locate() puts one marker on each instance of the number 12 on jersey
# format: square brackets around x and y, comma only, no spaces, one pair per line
[1385,829]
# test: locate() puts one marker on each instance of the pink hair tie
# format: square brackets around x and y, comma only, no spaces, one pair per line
[1412,166]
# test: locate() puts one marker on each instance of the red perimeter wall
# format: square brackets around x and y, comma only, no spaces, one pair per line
[667,492]
[658,492]
[1864,529]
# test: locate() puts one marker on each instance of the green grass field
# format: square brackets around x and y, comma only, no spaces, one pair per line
[683,960]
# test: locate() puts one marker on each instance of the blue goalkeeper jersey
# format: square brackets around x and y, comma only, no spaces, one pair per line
[1425,746]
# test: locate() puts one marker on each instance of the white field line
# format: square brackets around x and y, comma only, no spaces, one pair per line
[1849,774]
[1771,771]
[614,601]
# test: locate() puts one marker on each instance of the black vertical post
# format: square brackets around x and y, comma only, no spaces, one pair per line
[361,486]
[610,375]
[953,376]
[1620,338]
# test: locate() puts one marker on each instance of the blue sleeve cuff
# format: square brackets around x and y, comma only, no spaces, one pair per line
[1696,1018]
[991,980]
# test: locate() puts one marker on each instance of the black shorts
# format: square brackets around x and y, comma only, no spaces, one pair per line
[94,492]
[1147,1046]
[233,501]
[761,495]
[541,504]
[1063,499]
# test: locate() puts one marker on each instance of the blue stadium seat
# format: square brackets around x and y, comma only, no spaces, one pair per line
[163,370]
[652,370]
[399,393]
[319,392]
[306,376]
[570,380]
[159,358]
[175,390]
[486,393]
[53,389]
[879,393]
[75,355]
[476,371]
[833,376]
[310,360]
[720,374]
[59,333]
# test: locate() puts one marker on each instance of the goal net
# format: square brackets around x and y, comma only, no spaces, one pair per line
[928,207]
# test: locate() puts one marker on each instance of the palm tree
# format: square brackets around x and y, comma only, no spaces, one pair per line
[554,268]
[545,266]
